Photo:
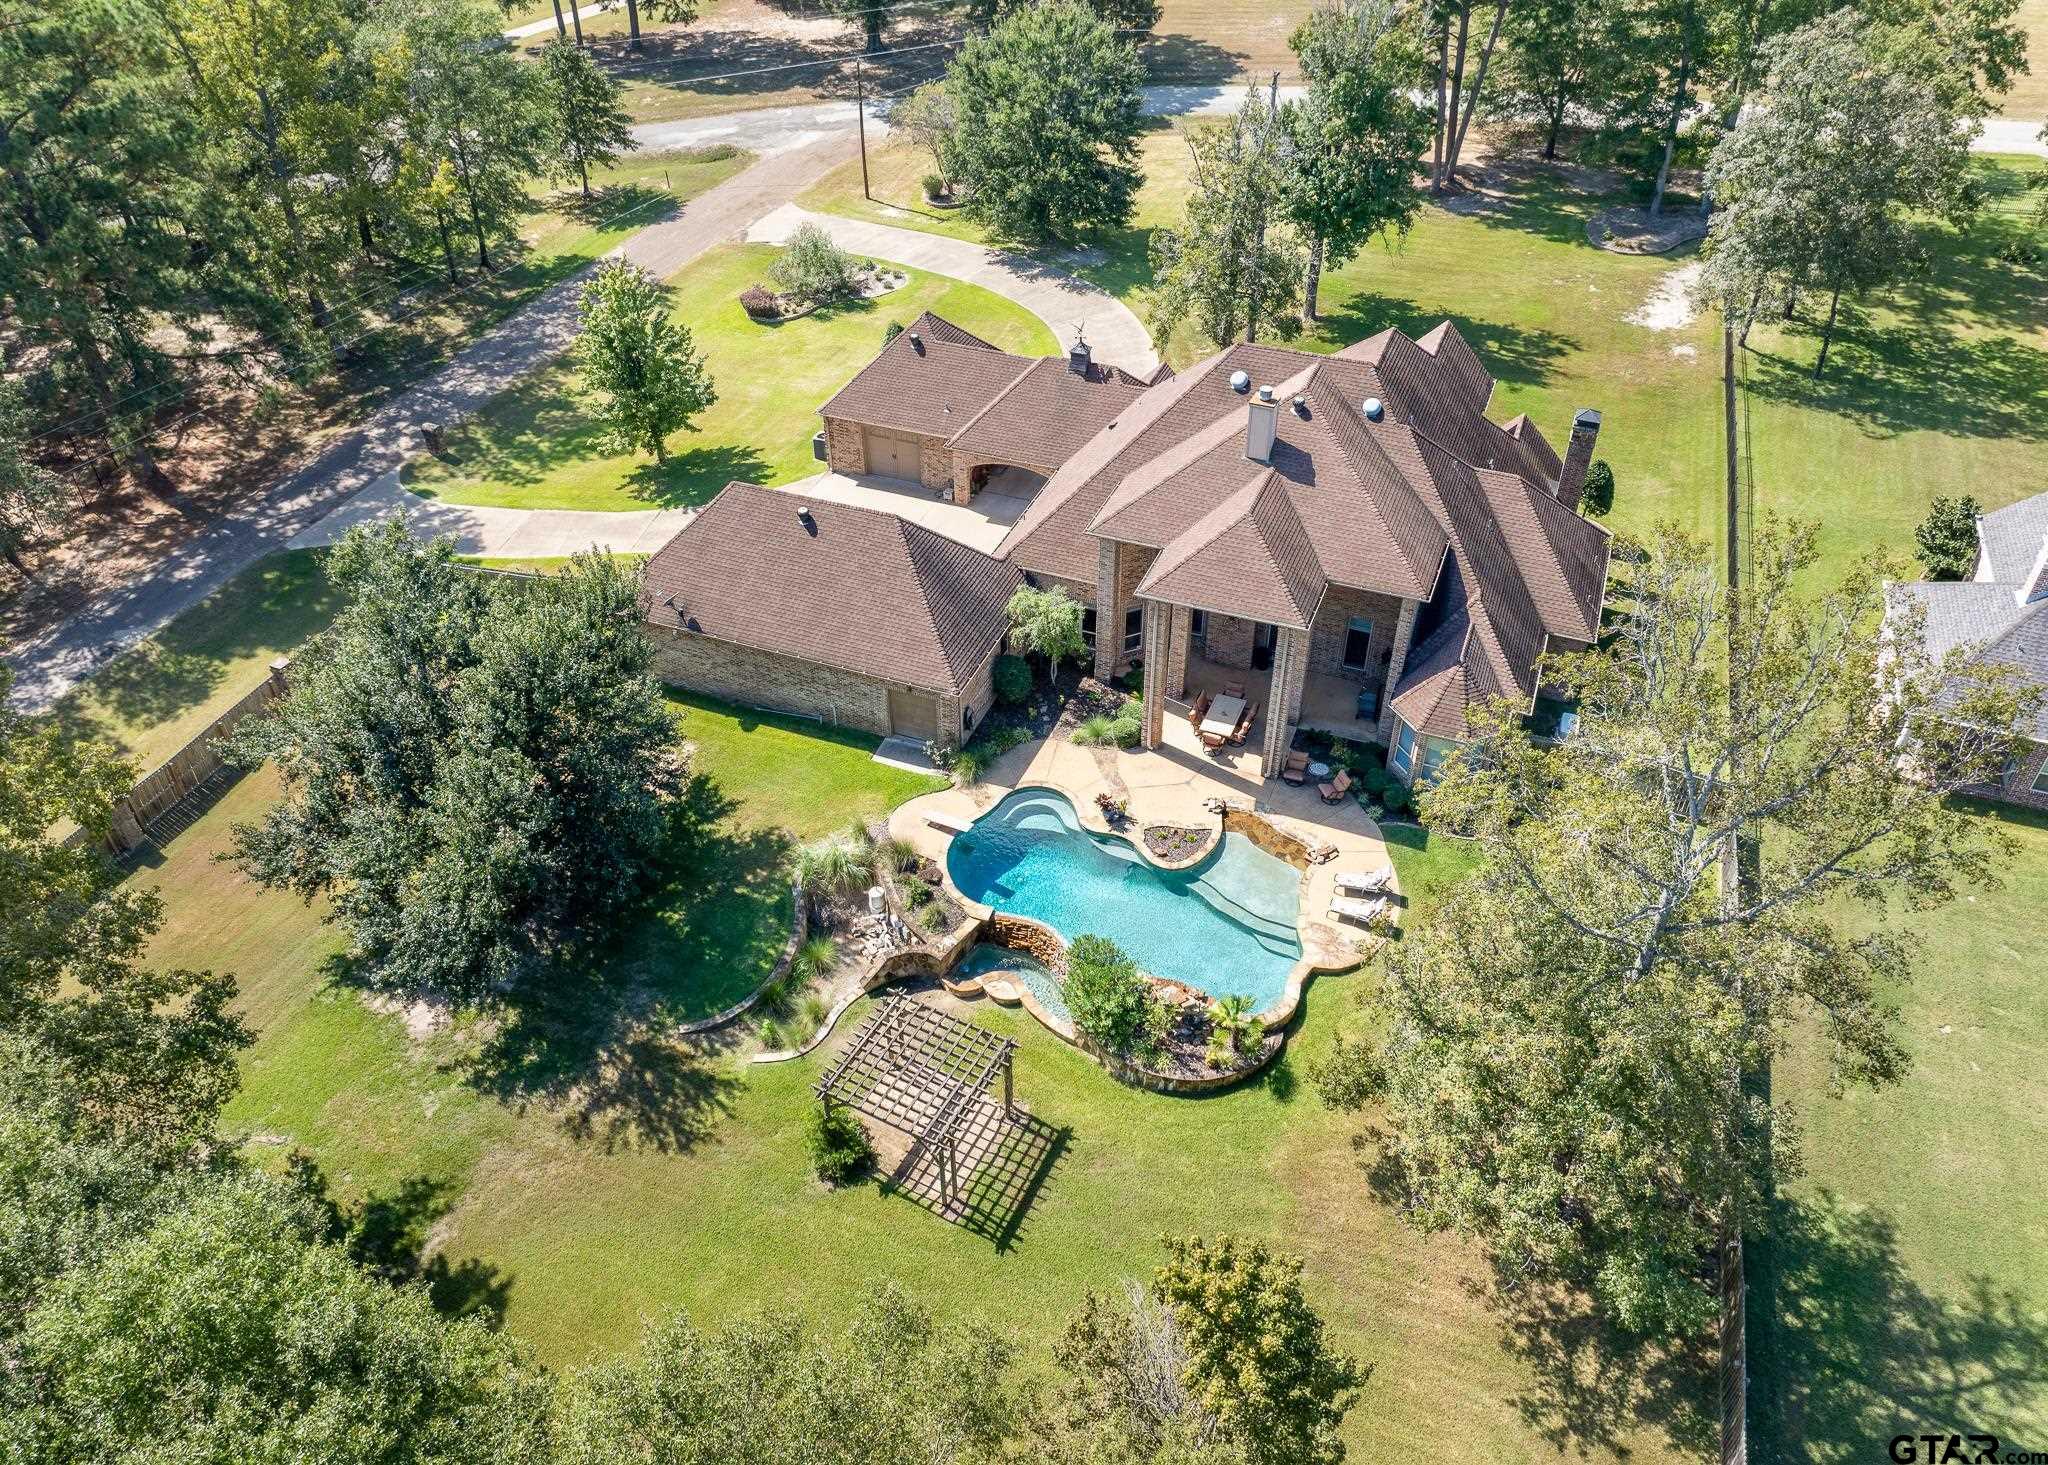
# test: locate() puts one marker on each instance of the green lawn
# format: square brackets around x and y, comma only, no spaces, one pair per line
[1911,1274]
[1941,389]
[656,1177]
[156,697]
[538,446]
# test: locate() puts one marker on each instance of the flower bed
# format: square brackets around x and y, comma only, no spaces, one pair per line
[1176,844]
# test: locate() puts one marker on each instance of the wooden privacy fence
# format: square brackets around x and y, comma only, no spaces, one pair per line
[158,791]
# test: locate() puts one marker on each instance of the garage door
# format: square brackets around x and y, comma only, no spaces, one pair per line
[913,714]
[892,456]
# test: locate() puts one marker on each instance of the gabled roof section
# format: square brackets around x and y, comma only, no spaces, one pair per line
[932,379]
[855,588]
[2011,537]
[1536,449]
[1249,556]
[1048,414]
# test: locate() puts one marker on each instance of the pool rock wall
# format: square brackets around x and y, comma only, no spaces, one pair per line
[1266,837]
[1020,933]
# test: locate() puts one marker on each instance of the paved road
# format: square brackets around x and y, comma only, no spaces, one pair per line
[48,666]
[1061,300]
[547,22]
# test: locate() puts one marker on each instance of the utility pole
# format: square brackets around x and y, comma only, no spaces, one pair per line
[860,112]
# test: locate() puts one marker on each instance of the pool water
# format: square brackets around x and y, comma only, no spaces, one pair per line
[1226,927]
[985,957]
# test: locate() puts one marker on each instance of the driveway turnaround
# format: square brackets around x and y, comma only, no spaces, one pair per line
[496,532]
[1061,300]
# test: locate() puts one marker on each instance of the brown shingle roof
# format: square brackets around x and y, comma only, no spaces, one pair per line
[1047,415]
[1249,556]
[857,589]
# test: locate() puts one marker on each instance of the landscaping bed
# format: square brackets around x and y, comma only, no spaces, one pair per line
[1176,844]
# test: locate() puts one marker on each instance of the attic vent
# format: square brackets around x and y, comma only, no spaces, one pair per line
[1375,409]
[803,517]
[917,342]
[1240,382]
[1301,407]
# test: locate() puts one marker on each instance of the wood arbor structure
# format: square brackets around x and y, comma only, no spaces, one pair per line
[933,1078]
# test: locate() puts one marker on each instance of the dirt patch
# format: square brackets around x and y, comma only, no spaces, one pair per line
[1636,231]
[1496,186]
[1669,307]
[423,1016]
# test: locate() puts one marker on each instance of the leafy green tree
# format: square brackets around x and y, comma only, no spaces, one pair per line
[1049,113]
[1235,262]
[1257,1355]
[928,115]
[1971,51]
[149,1054]
[475,773]
[641,359]
[812,269]
[228,1329]
[1557,62]
[1046,623]
[1354,143]
[30,495]
[591,128]
[1568,1031]
[896,1389]
[1947,538]
[1821,184]
[1110,1000]
[1122,1392]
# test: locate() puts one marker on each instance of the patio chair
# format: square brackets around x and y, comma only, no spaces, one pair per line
[1295,769]
[1367,882]
[1212,740]
[1244,724]
[1199,710]
[1333,792]
[1364,912]
[1233,689]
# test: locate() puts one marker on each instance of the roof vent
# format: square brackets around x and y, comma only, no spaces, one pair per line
[1301,406]
[803,517]
[917,342]
[1240,382]
[1375,409]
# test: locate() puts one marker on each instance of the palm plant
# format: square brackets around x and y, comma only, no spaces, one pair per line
[1232,1017]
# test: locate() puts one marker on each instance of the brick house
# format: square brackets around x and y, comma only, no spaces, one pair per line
[1999,615]
[850,615]
[1350,536]
[944,408]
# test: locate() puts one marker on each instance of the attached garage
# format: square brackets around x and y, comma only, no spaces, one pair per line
[892,455]
[912,713]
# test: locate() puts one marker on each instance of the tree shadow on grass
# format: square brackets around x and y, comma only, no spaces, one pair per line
[635,205]
[1905,378]
[1523,355]
[1847,1348]
[1184,60]
[1550,200]
[695,475]
[387,1235]
[594,1043]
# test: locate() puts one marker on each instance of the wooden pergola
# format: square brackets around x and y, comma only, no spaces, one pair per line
[932,1077]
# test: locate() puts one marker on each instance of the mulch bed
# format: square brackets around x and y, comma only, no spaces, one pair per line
[1176,842]
[1184,1052]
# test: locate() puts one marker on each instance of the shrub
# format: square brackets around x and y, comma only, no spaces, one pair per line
[760,303]
[915,891]
[1109,1000]
[1012,677]
[770,1033]
[834,867]
[813,269]
[935,186]
[1397,797]
[896,854]
[814,957]
[1948,538]
[934,918]
[1093,730]
[891,331]
[811,1013]
[1597,497]
[838,1146]
[1126,728]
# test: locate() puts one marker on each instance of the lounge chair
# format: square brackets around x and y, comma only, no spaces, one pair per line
[1368,882]
[1362,911]
[1333,792]
[1295,769]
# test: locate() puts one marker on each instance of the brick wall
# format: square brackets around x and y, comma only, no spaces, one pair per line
[1120,569]
[2018,789]
[1229,640]
[763,679]
[1326,643]
[846,450]
[934,463]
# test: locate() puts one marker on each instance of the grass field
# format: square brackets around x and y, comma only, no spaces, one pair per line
[538,444]
[2029,96]
[1941,388]
[579,1201]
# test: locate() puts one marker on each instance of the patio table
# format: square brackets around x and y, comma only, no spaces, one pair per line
[1318,770]
[1223,715]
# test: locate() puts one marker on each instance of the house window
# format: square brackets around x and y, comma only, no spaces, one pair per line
[1088,626]
[1357,643]
[966,717]
[2041,779]
[1433,755]
[1198,625]
[1404,749]
[1134,629]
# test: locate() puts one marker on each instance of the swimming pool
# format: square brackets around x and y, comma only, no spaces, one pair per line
[1226,926]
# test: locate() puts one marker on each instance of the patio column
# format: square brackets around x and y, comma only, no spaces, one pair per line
[1158,616]
[1404,632]
[1283,710]
[1174,661]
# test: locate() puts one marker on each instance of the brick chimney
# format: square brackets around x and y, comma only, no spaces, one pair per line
[1578,457]
[1261,427]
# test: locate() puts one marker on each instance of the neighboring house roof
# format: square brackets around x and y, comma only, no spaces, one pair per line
[2001,620]
[935,380]
[855,588]
[1430,488]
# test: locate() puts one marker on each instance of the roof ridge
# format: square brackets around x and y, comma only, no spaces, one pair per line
[905,527]
[1029,367]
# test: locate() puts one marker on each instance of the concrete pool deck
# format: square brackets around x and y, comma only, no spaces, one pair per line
[1172,786]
